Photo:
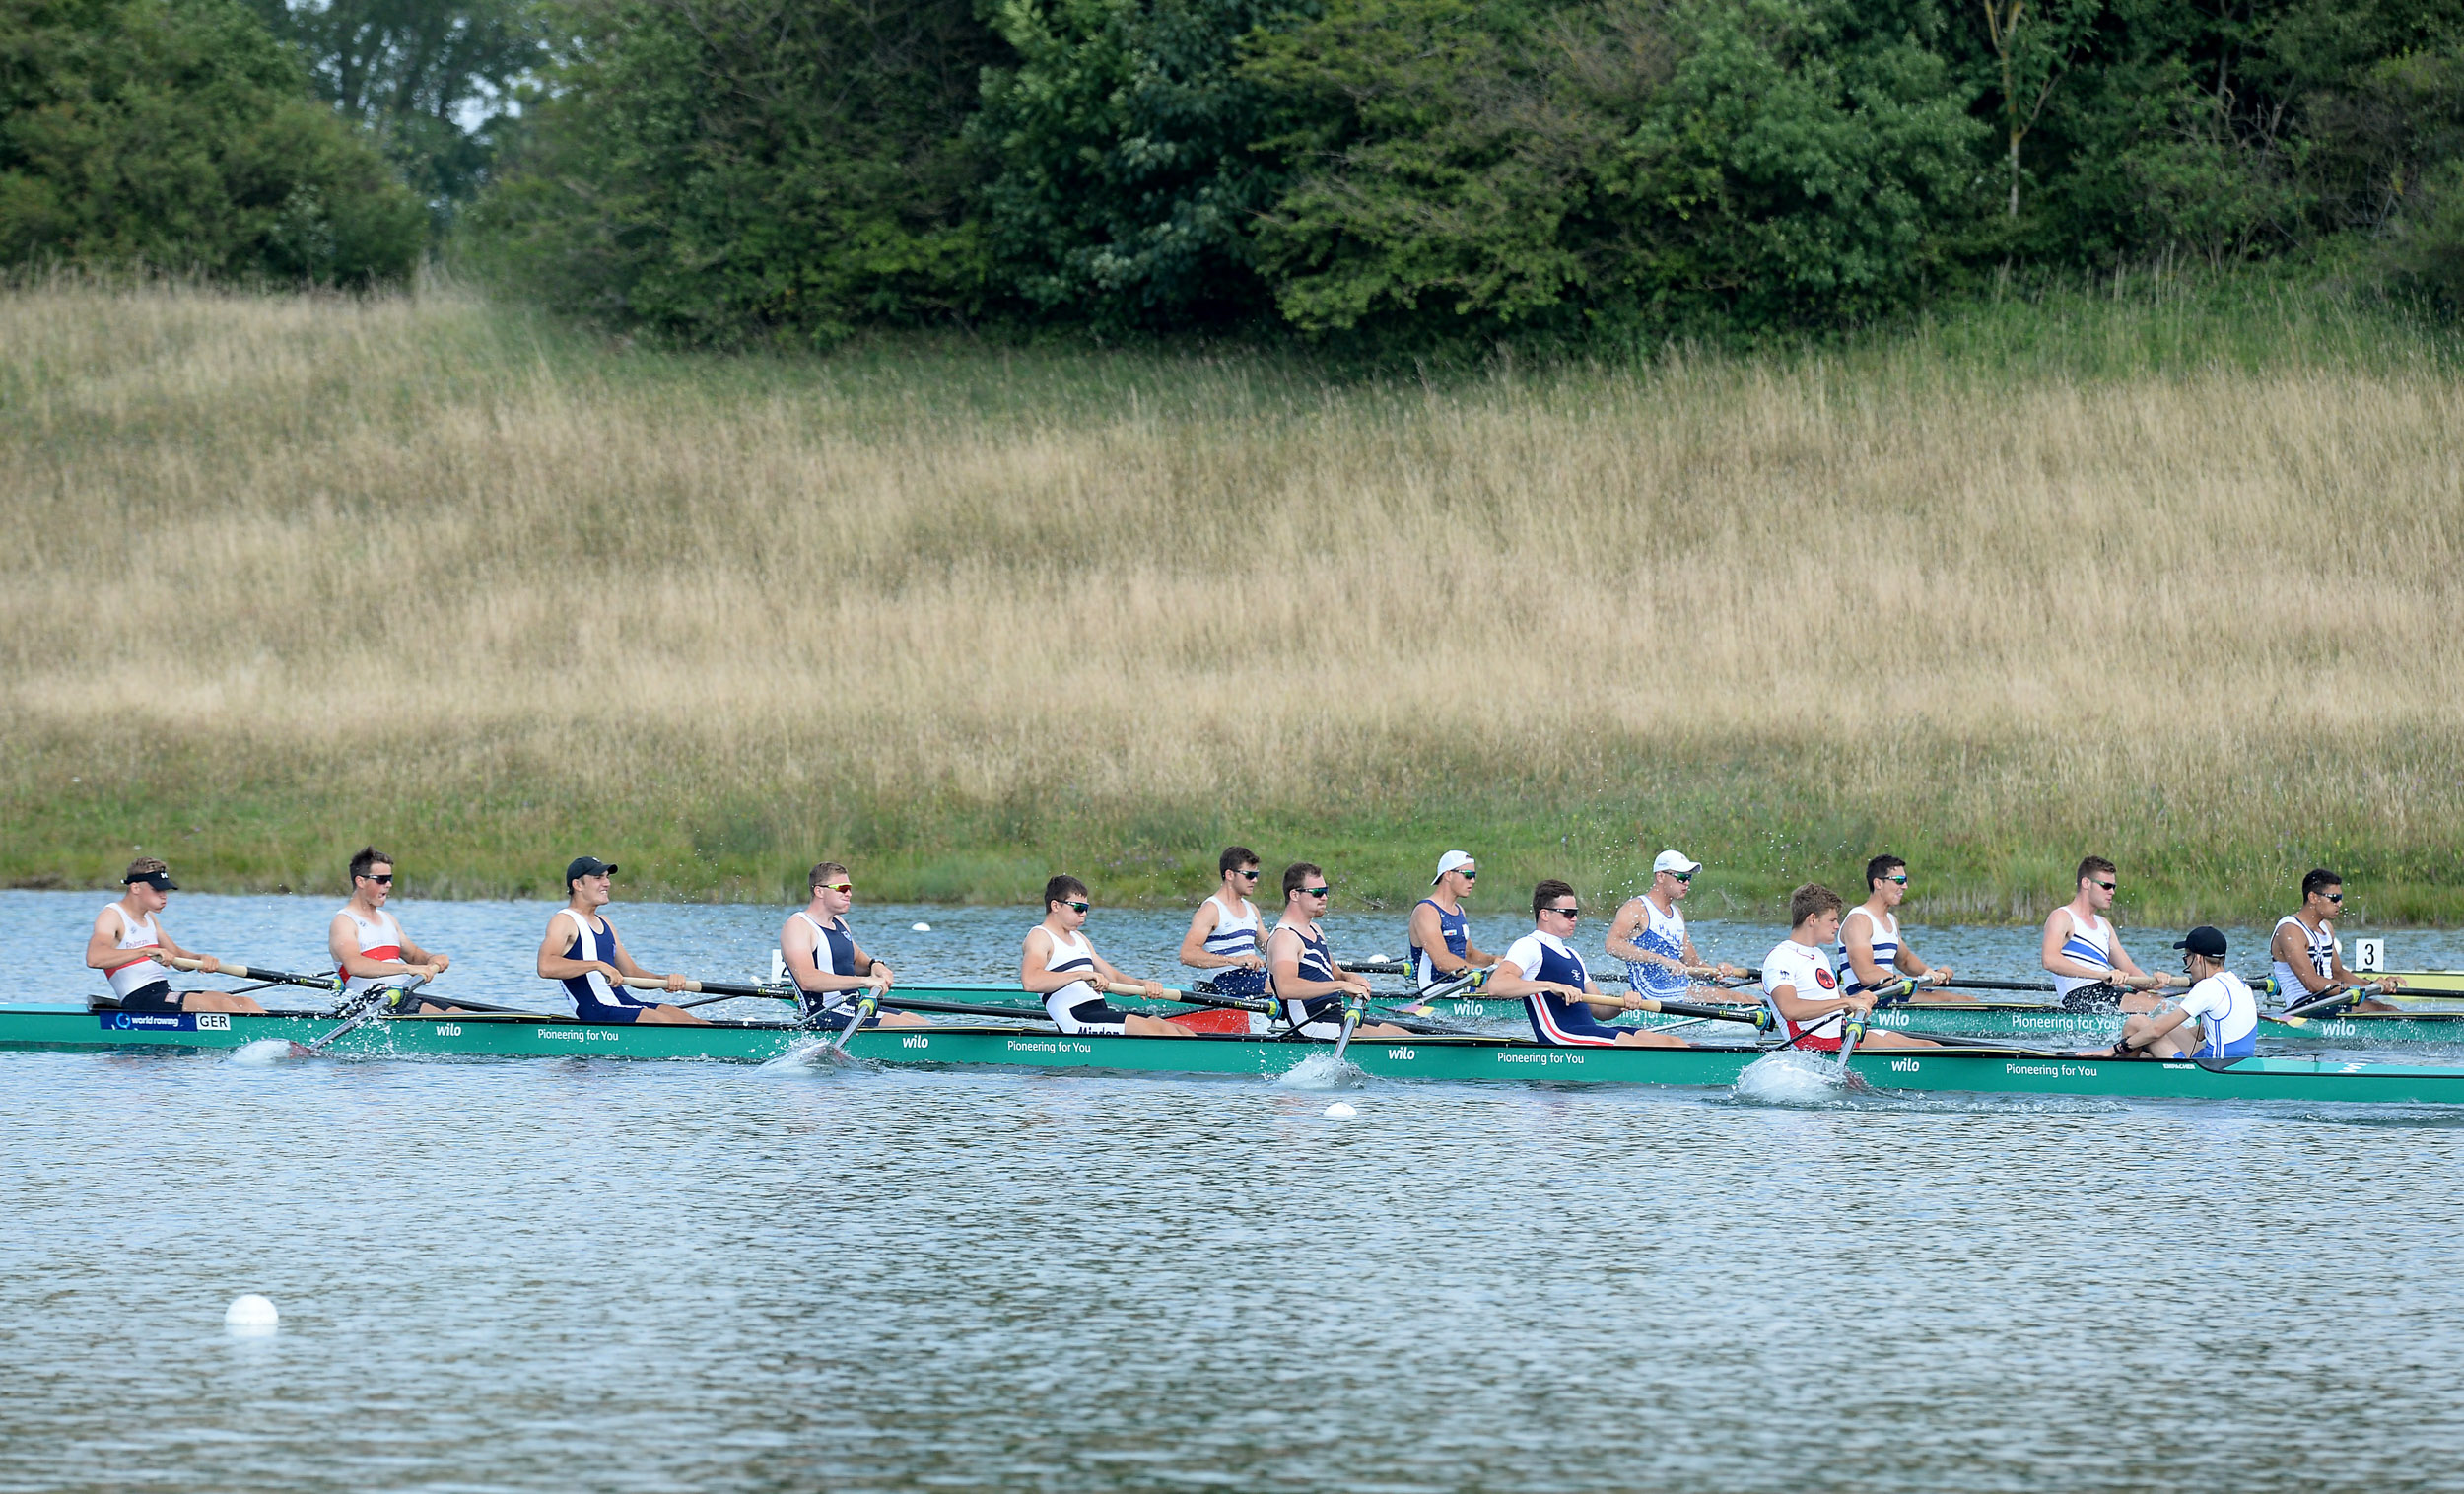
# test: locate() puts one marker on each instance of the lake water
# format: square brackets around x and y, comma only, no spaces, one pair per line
[594,1275]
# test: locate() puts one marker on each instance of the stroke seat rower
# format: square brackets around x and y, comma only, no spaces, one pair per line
[2216,1019]
[1802,990]
[127,938]
[827,965]
[1559,996]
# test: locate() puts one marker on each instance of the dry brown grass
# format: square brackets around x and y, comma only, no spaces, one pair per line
[262,531]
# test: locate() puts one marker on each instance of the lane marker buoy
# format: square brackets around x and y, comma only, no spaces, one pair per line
[923,929]
[1338,1111]
[250,1313]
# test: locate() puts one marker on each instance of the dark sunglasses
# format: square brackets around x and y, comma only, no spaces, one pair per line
[1564,912]
[2107,886]
[1315,892]
[1902,879]
[1250,876]
[386,879]
[2335,896]
[1682,876]
[1077,907]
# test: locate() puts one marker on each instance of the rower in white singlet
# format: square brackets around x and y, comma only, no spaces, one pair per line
[584,954]
[1649,935]
[368,947]
[2089,967]
[2216,1019]
[128,945]
[2309,961]
[1225,937]
[1058,964]
[1873,955]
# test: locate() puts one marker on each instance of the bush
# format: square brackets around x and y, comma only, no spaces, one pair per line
[179,134]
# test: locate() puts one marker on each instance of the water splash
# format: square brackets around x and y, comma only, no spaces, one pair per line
[265,1051]
[1789,1077]
[812,1054]
[1322,1072]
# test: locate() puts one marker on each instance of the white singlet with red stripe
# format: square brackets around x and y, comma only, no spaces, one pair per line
[136,975]
[380,938]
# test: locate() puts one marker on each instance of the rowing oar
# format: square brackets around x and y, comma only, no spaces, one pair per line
[1355,1006]
[1267,1008]
[257,973]
[370,1012]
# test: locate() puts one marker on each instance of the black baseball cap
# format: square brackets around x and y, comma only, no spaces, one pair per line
[2206,939]
[586,866]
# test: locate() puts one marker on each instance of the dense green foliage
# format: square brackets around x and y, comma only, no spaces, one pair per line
[431,80]
[179,134]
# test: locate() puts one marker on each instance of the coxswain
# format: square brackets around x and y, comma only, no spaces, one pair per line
[584,953]
[1226,936]
[1873,954]
[1648,935]
[1441,931]
[2091,970]
[1301,970]
[368,947]
[1058,964]
[2309,964]
[1803,993]
[128,945]
[2226,1013]
[1558,994]
[826,963]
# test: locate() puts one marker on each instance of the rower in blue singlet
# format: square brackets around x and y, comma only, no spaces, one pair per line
[831,970]
[582,953]
[1872,955]
[1558,994]
[1308,984]
[1441,931]
[1648,935]
[2216,1019]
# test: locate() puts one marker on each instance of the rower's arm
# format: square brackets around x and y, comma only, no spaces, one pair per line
[1193,951]
[1430,936]
[1031,972]
[553,962]
[2130,967]
[874,968]
[414,955]
[2058,924]
[1801,1011]
[1474,957]
[103,951]
[1858,941]
[2352,979]
[342,942]
[1622,931]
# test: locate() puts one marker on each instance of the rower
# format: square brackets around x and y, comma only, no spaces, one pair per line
[1301,969]
[1058,964]
[826,963]
[584,954]
[1558,992]
[1225,934]
[128,937]
[2092,972]
[2309,961]
[1869,943]
[2227,1013]
[368,947]
[1648,935]
[1441,931]
[1802,992]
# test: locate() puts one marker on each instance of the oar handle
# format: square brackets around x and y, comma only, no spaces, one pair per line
[702,987]
[239,972]
[1753,1017]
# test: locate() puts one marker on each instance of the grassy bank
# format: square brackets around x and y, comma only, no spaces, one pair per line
[2170,576]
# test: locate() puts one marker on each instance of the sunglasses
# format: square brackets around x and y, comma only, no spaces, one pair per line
[1564,912]
[386,879]
[1902,879]
[1077,907]
[1469,874]
[2107,886]
[834,886]
[2335,896]
[1315,892]
[1247,875]
[1682,876]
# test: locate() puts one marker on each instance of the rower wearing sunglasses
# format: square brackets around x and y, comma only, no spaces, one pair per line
[1649,935]
[1558,992]
[2308,963]
[1310,986]
[1873,954]
[1058,964]
[1226,935]
[2091,970]
[368,946]
[1441,931]
[824,960]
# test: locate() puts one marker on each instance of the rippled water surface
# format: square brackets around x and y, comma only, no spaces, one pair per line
[593,1275]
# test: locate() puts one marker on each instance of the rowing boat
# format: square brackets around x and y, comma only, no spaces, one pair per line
[1019,1046]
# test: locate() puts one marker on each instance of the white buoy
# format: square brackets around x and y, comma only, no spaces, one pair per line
[250,1314]
[1338,1110]
[923,929]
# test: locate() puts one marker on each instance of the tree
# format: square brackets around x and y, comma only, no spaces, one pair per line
[2033,56]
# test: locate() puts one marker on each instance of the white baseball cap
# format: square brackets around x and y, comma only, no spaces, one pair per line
[1453,860]
[1670,860]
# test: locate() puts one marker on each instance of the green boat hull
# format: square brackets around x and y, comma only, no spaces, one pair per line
[1443,1058]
